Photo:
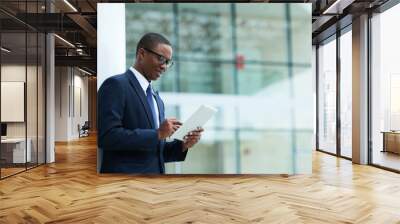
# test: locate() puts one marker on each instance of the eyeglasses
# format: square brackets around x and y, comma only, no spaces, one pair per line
[161,59]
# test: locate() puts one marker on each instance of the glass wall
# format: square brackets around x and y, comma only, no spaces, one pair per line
[22,92]
[346,93]
[250,61]
[13,84]
[385,89]
[327,96]
[315,81]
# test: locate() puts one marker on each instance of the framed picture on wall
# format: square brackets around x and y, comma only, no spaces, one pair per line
[12,101]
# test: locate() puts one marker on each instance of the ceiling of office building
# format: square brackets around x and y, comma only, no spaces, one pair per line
[75,22]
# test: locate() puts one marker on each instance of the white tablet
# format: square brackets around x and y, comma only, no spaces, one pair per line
[197,119]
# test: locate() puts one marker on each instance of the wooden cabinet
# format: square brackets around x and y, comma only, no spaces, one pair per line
[391,142]
[13,151]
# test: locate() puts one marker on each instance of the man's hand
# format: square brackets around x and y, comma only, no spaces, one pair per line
[168,127]
[191,138]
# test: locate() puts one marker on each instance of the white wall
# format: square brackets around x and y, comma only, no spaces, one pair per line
[50,95]
[360,90]
[70,83]
[16,73]
[111,45]
[33,126]
[61,103]
[385,68]
[80,84]
[12,89]
[390,67]
[110,40]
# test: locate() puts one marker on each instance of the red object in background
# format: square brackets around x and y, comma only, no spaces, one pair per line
[239,62]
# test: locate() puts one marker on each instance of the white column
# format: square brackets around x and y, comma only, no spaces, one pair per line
[63,104]
[360,90]
[110,45]
[50,99]
[110,40]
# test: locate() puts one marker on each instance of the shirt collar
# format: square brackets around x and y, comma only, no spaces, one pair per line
[140,77]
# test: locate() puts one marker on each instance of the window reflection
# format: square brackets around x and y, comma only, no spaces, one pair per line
[22,91]
[327,96]
[346,94]
[235,57]
[385,91]
[15,150]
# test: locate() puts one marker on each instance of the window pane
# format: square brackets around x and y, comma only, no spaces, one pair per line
[254,78]
[272,98]
[158,17]
[235,57]
[13,86]
[199,77]
[41,98]
[386,89]
[304,115]
[214,154]
[32,101]
[346,94]
[266,150]
[168,81]
[300,20]
[261,32]
[205,32]
[327,97]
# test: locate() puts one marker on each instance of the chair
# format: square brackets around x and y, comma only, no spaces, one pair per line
[84,130]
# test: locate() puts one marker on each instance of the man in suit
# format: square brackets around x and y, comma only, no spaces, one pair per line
[131,123]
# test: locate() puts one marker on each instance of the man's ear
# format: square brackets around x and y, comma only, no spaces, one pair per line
[140,54]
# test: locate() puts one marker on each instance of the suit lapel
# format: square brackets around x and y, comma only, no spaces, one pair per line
[160,107]
[139,91]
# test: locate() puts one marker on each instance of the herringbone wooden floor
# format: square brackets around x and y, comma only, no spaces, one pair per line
[70,191]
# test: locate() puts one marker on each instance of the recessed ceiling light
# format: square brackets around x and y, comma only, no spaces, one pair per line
[64,40]
[337,7]
[5,50]
[70,5]
[86,72]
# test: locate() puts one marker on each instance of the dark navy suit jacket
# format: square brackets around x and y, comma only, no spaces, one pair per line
[127,138]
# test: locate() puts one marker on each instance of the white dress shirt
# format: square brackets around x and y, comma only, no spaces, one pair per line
[145,84]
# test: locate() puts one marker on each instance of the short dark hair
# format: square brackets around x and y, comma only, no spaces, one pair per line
[151,40]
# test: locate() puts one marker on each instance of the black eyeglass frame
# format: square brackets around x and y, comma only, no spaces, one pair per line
[161,58]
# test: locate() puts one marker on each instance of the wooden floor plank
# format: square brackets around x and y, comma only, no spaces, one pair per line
[70,191]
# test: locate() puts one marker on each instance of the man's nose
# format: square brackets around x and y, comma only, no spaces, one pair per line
[164,67]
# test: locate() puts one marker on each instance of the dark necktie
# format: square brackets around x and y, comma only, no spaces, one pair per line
[149,96]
